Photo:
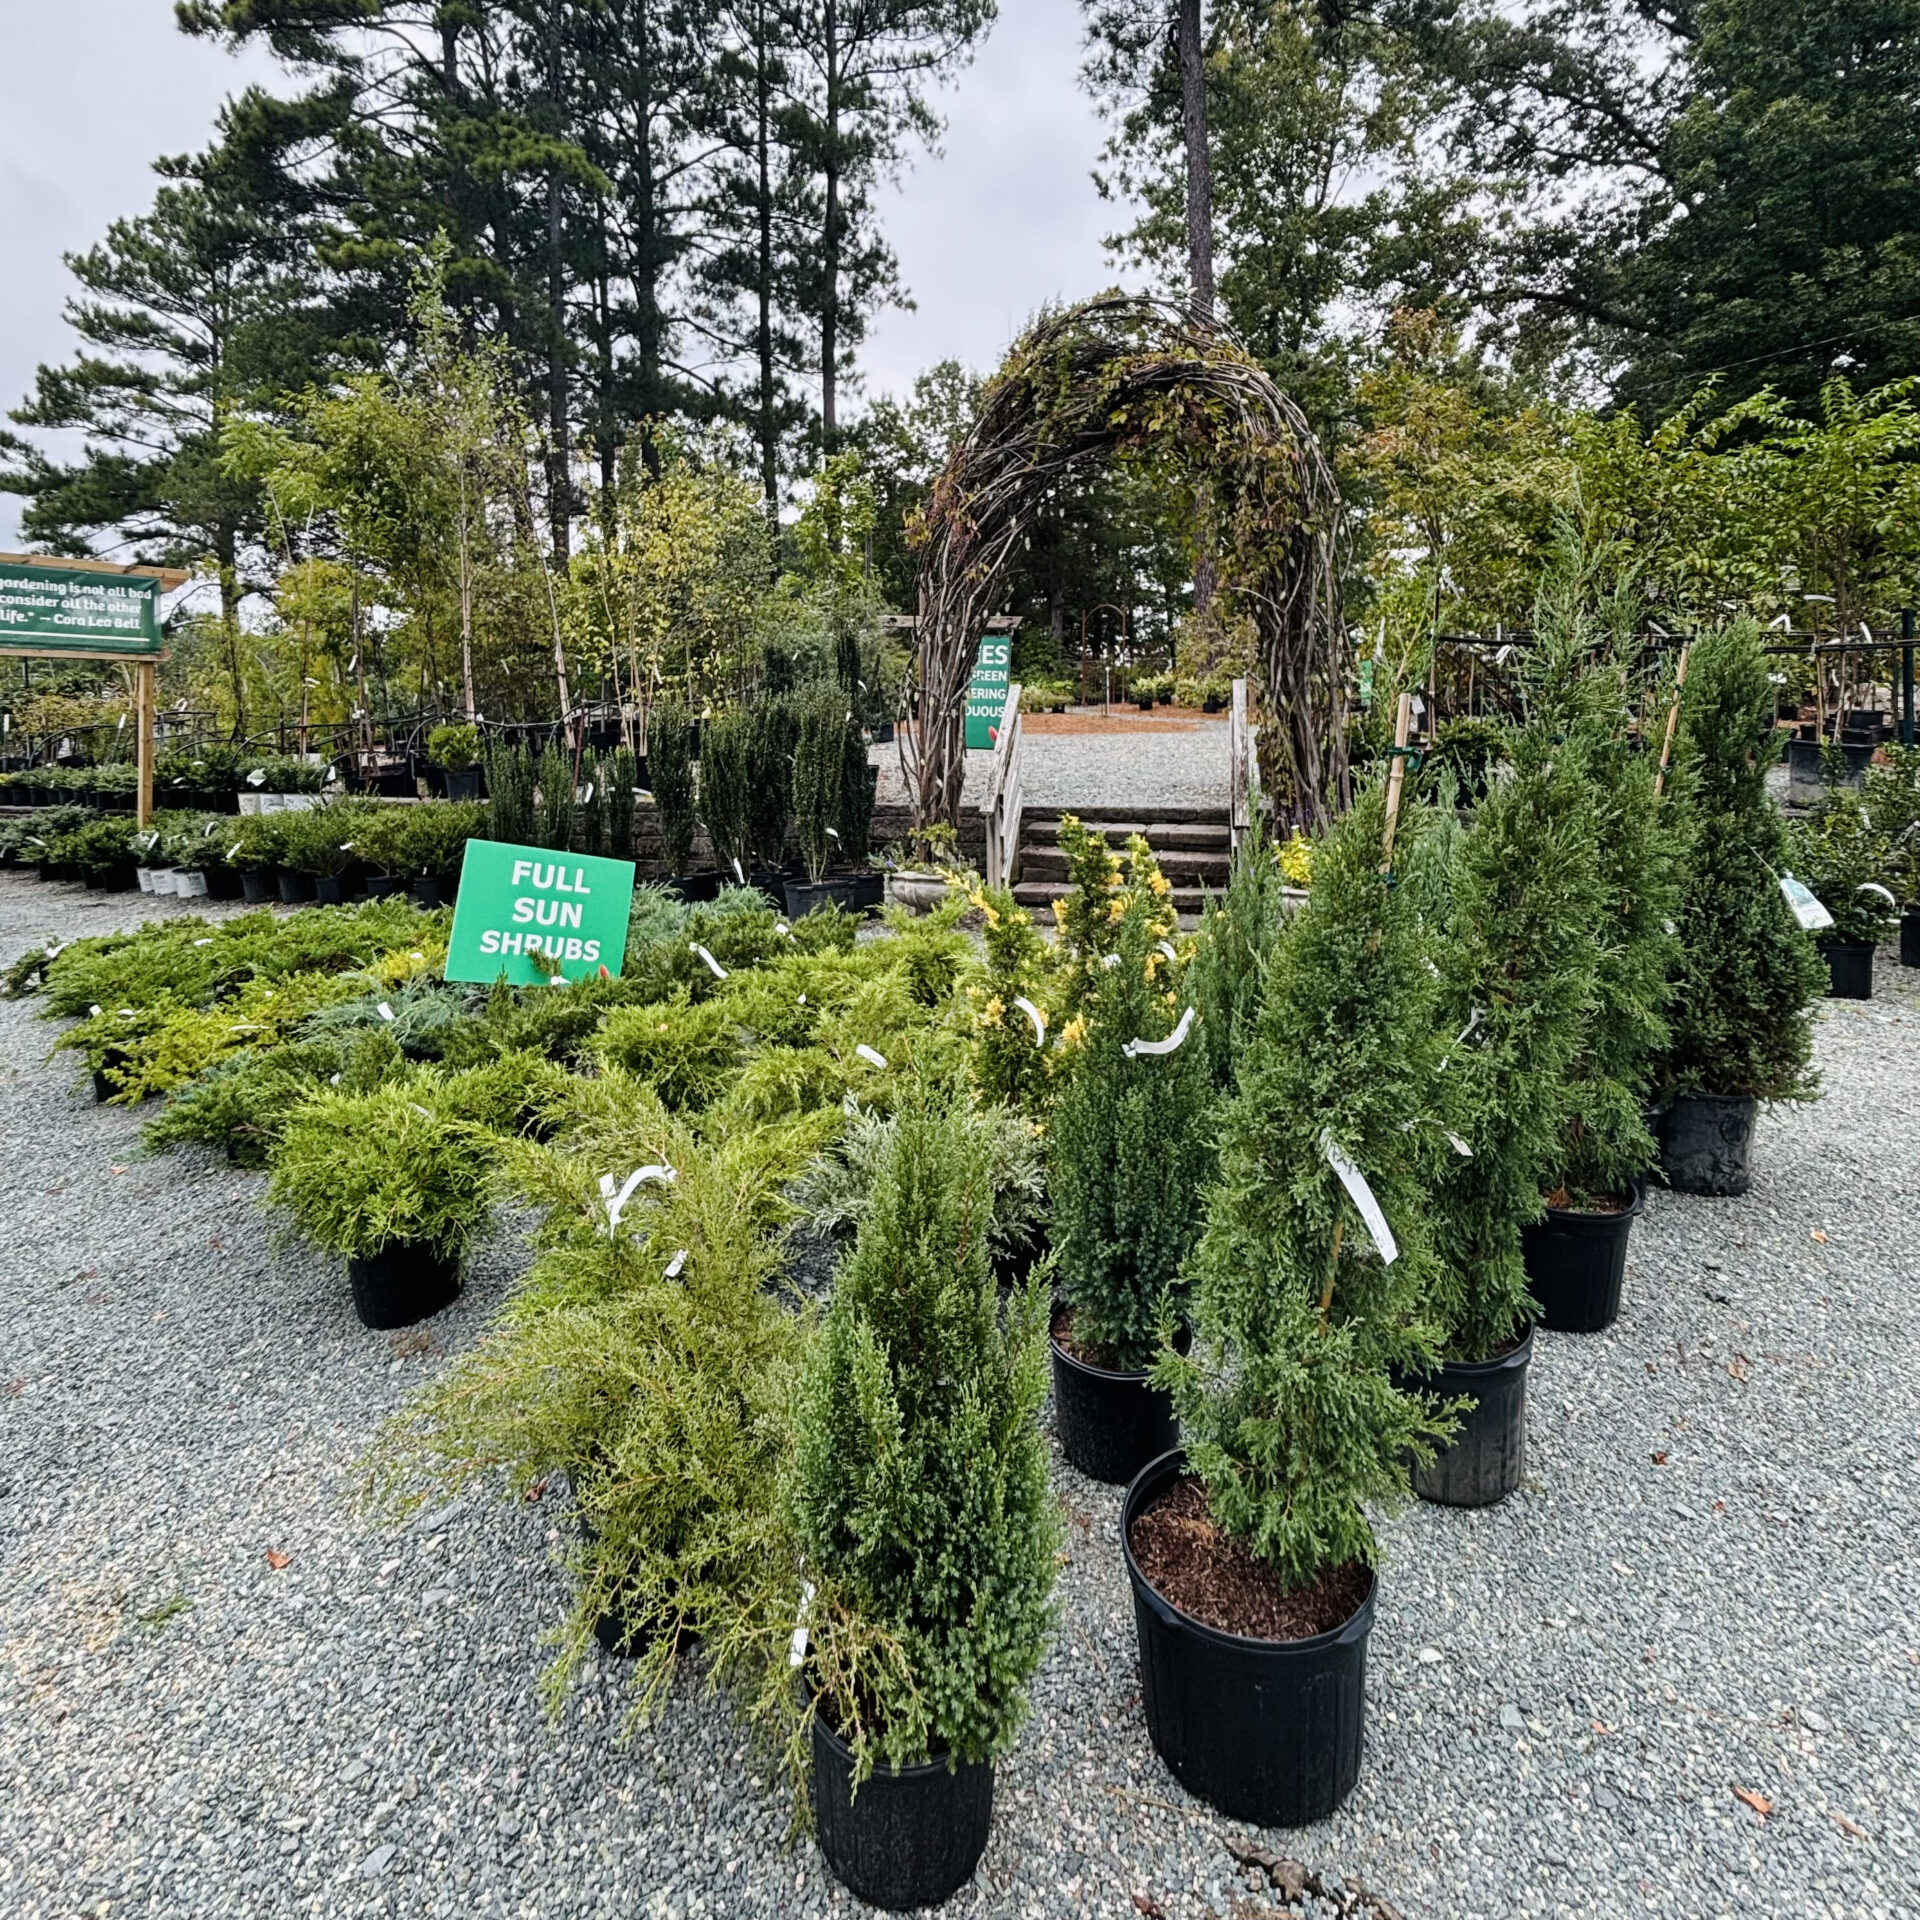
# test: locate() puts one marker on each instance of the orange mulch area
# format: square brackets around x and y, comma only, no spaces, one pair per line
[1128,720]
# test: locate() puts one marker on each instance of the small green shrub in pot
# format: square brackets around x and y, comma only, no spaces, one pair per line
[670,774]
[558,806]
[392,1187]
[727,767]
[593,806]
[772,737]
[454,748]
[818,764]
[622,774]
[1841,853]
[918,1495]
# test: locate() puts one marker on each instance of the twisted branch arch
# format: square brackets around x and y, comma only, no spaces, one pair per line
[1119,374]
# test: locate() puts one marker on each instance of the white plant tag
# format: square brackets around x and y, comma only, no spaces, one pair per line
[1133,1049]
[1034,1014]
[797,1646]
[1109,959]
[94,1010]
[384,1011]
[1361,1194]
[206,942]
[419,1109]
[802,1001]
[232,850]
[780,927]
[617,1202]
[674,1265]
[713,966]
[867,1054]
[738,873]
[832,834]
[1166,947]
[586,799]
[258,777]
[1459,1146]
[1874,886]
[1806,908]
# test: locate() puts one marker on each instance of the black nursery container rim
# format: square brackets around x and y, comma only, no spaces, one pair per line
[1170,1466]
[1636,1205]
[1086,1366]
[823,1728]
[1516,1356]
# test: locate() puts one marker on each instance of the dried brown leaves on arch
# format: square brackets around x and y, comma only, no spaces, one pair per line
[1124,375]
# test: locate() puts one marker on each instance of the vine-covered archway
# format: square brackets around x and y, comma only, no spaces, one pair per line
[1123,375]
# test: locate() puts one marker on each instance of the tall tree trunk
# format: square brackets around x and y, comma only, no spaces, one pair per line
[830,239]
[466,601]
[763,329]
[1193,125]
[559,463]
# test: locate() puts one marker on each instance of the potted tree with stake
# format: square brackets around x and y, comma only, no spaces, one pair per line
[1594,1184]
[1250,1555]
[1518,971]
[1129,1162]
[918,1495]
[1747,974]
[391,1187]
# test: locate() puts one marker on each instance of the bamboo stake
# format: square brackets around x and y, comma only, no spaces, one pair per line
[1333,1269]
[1673,724]
[1402,727]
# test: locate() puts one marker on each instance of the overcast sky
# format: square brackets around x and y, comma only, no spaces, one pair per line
[1002,220]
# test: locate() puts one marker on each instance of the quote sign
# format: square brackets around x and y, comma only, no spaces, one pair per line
[987,693]
[530,913]
[77,610]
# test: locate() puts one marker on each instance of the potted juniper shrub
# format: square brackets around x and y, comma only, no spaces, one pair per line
[255,848]
[454,752]
[510,794]
[1248,1551]
[1595,1182]
[918,1496]
[1840,853]
[391,1187]
[383,842]
[1129,1159]
[1747,974]
[773,737]
[1518,969]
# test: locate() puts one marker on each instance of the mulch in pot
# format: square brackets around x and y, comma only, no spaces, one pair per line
[1213,1577]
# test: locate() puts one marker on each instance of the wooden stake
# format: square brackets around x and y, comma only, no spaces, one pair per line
[1673,723]
[1402,727]
[1333,1268]
[143,703]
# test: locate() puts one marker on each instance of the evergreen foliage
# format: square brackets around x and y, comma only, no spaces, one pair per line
[670,772]
[819,765]
[1128,1141]
[622,772]
[1238,934]
[1010,1059]
[510,816]
[1747,975]
[857,784]
[555,821]
[1519,966]
[593,806]
[773,733]
[726,787]
[1286,1403]
[1843,854]
[918,1491]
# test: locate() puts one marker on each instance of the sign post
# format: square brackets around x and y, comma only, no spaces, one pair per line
[532,915]
[987,694]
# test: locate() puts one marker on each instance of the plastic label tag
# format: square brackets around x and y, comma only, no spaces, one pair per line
[872,1058]
[674,1265]
[713,966]
[1034,1014]
[1874,886]
[1361,1194]
[797,1646]
[384,1011]
[1806,907]
[1133,1049]
[617,1202]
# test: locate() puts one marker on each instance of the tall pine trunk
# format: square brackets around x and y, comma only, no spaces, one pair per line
[1191,43]
[830,238]
[559,463]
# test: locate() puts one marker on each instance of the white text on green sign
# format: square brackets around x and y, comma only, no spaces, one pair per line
[530,913]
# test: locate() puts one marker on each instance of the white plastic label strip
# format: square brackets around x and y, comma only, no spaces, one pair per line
[1806,908]
[872,1058]
[713,966]
[1874,886]
[1133,1049]
[674,1265]
[617,1202]
[797,1646]
[1361,1194]
[1034,1014]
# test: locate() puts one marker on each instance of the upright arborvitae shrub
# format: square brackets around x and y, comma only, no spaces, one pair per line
[726,775]
[1518,970]
[622,774]
[1127,1146]
[1238,933]
[1585,691]
[918,1491]
[557,805]
[1747,975]
[772,738]
[670,777]
[1287,1406]
[818,763]
[857,781]
[593,805]
[509,794]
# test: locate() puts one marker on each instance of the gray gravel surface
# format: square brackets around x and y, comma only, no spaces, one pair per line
[1706,1582]
[1157,761]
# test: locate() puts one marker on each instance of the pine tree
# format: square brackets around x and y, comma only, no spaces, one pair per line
[918,1490]
[1128,1147]
[1287,1405]
[1519,966]
[1747,974]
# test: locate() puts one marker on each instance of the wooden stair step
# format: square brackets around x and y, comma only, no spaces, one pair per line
[1177,863]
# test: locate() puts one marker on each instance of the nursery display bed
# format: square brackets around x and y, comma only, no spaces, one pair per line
[1701,1590]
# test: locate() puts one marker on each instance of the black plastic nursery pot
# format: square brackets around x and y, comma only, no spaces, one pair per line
[1483,1462]
[223,883]
[1576,1263]
[804,897]
[258,886]
[1849,970]
[464,785]
[331,889]
[295,888]
[694,888]
[1910,937]
[911,1836]
[1706,1143]
[427,891]
[1110,1424]
[103,1088]
[1268,1731]
[401,1284]
[381,886]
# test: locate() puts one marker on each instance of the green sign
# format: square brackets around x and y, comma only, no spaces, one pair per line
[73,610]
[987,696]
[529,913]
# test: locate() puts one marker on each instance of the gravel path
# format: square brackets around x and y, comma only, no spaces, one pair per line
[1705,1583]
[1145,761]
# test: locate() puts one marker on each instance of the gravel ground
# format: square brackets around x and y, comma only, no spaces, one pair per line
[1705,1583]
[1144,761]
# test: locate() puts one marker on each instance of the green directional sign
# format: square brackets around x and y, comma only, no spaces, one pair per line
[78,610]
[529,913]
[987,695]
